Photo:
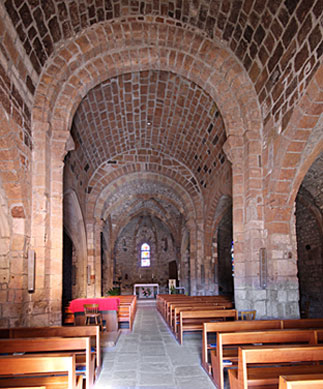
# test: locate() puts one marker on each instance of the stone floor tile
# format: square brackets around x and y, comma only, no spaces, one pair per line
[149,357]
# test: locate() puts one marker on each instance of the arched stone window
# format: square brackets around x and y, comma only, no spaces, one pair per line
[145,255]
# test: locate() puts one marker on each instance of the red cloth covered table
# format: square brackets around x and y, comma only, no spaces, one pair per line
[105,304]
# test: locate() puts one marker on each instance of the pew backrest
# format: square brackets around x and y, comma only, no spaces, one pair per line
[232,326]
[57,344]
[232,340]
[302,381]
[274,355]
[68,332]
[33,364]
[203,316]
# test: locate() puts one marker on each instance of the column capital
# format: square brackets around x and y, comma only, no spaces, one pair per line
[232,143]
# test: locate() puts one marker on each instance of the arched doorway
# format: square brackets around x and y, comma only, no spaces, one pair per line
[309,232]
[224,245]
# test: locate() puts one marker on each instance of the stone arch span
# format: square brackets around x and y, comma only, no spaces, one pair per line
[300,144]
[106,50]
[80,65]
[188,207]
[184,203]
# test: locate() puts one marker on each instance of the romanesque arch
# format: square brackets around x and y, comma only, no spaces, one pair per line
[63,85]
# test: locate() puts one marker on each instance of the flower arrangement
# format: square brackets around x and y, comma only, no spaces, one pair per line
[146,292]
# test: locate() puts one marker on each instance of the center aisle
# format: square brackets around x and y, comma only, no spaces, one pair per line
[150,357]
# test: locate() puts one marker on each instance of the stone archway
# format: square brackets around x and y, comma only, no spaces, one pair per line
[287,159]
[63,85]
[110,197]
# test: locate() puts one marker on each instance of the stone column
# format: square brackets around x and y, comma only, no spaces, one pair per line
[38,305]
[248,225]
[94,229]
[44,306]
[269,286]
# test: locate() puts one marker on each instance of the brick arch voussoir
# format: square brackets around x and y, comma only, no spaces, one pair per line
[190,207]
[216,192]
[182,174]
[305,118]
[79,66]
[126,218]
[99,181]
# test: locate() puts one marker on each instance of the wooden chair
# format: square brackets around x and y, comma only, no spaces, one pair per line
[91,311]
[248,315]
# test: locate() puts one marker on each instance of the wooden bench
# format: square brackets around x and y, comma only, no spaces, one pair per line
[227,344]
[305,381]
[193,300]
[60,331]
[54,344]
[163,301]
[261,366]
[174,309]
[181,308]
[193,320]
[213,328]
[127,310]
[23,371]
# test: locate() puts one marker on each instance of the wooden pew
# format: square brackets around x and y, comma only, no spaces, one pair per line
[127,309]
[227,346]
[174,308]
[306,381]
[46,370]
[54,344]
[191,307]
[275,361]
[60,331]
[231,326]
[303,323]
[164,300]
[193,300]
[193,320]
[251,325]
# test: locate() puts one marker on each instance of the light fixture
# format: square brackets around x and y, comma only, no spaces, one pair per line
[149,123]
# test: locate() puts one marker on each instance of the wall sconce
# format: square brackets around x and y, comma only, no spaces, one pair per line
[31,271]
[263,268]
[89,274]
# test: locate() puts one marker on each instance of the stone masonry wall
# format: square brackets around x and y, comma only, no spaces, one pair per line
[127,254]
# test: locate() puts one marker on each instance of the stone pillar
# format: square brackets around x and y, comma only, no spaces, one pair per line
[94,258]
[193,258]
[200,259]
[259,229]
[38,305]
[44,305]
[248,222]
[283,283]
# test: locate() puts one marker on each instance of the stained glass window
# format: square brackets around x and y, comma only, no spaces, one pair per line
[145,255]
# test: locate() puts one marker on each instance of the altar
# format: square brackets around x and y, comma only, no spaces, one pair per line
[107,306]
[146,290]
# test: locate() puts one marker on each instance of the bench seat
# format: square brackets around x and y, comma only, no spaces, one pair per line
[39,370]
[63,346]
[261,366]
[304,381]
[194,320]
